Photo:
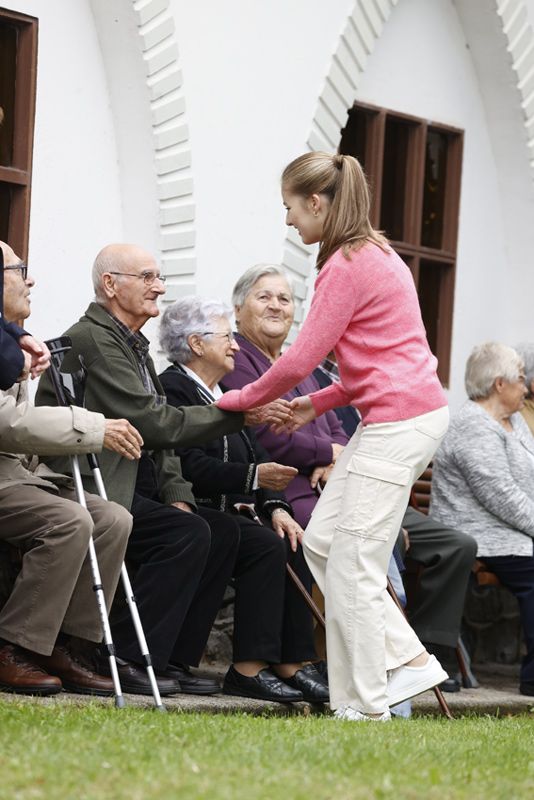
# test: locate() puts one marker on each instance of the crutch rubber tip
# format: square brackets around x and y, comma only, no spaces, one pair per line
[161,708]
[119,702]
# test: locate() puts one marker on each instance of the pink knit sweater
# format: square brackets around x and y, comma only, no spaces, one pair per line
[366,309]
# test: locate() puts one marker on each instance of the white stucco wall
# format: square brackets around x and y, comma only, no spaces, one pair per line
[76,203]
[252,73]
[250,108]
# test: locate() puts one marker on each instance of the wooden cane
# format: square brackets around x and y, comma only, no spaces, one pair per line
[437,691]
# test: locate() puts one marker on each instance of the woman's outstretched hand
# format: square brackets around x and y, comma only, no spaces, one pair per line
[302,412]
[277,414]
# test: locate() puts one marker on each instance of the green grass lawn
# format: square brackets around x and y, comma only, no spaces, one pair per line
[91,752]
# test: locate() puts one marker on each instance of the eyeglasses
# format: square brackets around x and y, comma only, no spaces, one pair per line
[22,267]
[148,277]
[228,336]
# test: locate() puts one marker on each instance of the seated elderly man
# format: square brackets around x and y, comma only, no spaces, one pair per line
[183,557]
[483,478]
[52,600]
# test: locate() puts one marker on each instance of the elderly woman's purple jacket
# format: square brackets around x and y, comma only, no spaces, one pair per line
[307,448]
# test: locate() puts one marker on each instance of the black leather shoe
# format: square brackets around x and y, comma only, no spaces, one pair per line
[310,684]
[134,679]
[263,686]
[322,668]
[527,687]
[450,685]
[318,671]
[189,683]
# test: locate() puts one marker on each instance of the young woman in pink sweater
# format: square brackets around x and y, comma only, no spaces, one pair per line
[365,308]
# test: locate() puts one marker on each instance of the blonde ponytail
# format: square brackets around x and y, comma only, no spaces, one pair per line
[342,180]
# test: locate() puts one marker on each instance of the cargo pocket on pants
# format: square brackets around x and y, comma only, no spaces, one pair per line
[373,491]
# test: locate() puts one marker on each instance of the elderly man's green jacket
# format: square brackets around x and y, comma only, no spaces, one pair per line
[115,388]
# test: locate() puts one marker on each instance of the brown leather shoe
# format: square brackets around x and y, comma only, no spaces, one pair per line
[76,676]
[19,673]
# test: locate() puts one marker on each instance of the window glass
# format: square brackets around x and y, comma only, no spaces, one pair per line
[394,179]
[18,71]
[5,207]
[8,63]
[429,289]
[354,135]
[434,189]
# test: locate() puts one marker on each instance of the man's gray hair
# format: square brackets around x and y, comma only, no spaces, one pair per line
[189,314]
[488,362]
[249,279]
[104,262]
[526,351]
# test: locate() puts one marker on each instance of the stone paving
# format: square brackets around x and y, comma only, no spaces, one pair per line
[497,696]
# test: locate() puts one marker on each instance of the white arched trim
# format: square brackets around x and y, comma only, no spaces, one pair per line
[171,147]
[362,29]
[520,37]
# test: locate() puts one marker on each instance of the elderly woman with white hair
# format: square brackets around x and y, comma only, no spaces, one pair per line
[483,479]
[526,351]
[273,630]
[264,308]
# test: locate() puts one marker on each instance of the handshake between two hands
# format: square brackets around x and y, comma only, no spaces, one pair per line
[283,416]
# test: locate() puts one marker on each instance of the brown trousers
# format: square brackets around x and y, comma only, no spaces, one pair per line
[53,590]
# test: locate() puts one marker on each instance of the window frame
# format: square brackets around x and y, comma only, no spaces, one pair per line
[416,255]
[19,174]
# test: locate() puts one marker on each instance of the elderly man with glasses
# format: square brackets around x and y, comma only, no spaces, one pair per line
[182,556]
[52,599]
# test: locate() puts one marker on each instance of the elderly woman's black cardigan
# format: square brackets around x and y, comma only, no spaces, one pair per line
[222,470]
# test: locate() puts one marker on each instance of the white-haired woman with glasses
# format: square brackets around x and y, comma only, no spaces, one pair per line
[273,632]
[483,479]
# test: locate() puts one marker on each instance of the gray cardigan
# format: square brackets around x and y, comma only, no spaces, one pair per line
[483,482]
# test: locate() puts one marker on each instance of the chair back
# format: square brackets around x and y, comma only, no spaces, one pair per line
[420,495]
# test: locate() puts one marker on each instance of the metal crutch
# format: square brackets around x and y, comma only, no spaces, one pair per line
[58,347]
[130,599]
[57,355]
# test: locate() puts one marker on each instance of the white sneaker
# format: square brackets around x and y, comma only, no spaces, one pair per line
[352,715]
[405,682]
